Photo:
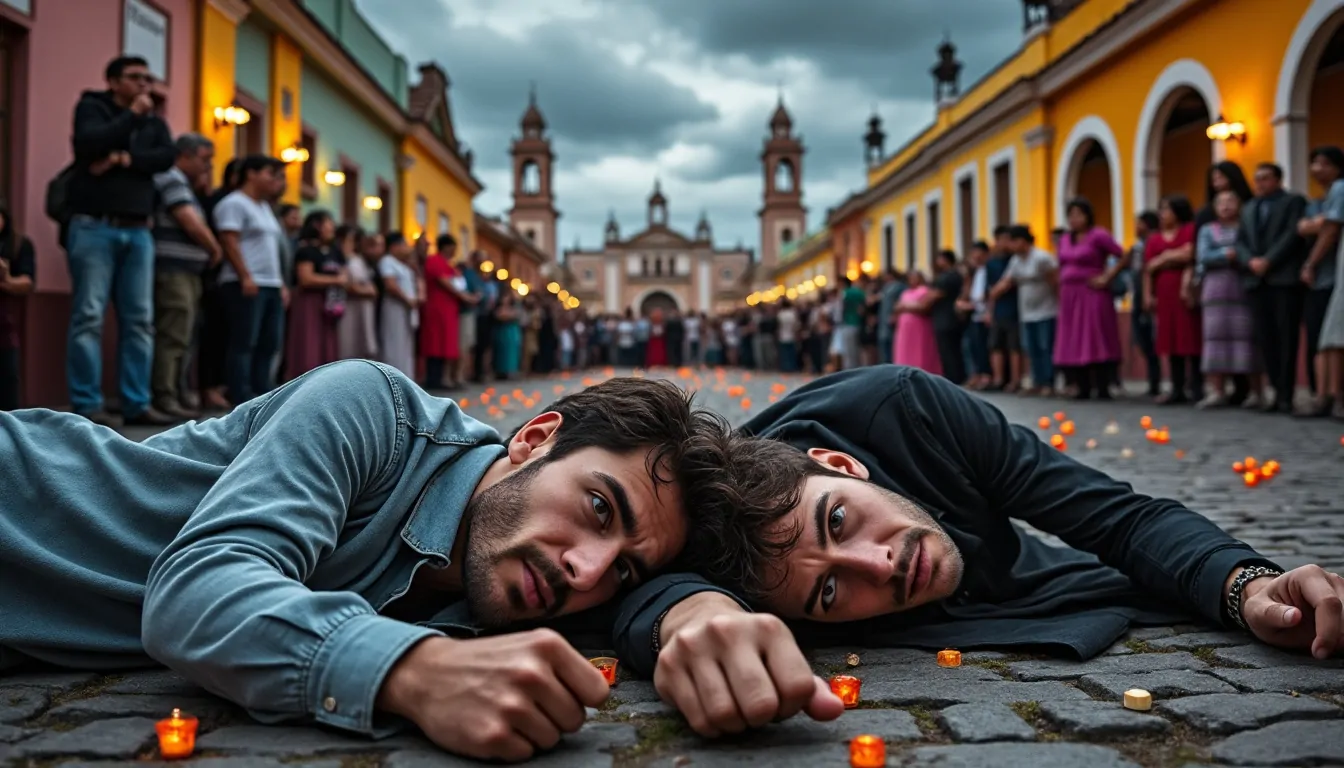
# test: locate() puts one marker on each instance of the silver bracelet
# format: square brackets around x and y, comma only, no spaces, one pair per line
[1246,576]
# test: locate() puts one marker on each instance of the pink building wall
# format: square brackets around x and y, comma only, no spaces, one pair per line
[64,53]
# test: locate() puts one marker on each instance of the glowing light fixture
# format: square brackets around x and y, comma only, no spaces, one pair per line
[487,266]
[553,287]
[820,280]
[231,116]
[522,289]
[373,203]
[868,267]
[502,274]
[334,178]
[564,295]
[1221,130]
[515,282]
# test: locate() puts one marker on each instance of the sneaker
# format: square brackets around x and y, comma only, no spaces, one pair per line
[1316,408]
[151,417]
[1338,412]
[177,410]
[103,419]
[1214,400]
[1254,402]
[190,401]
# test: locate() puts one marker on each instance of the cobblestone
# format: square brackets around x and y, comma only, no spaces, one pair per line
[1218,696]
[1227,713]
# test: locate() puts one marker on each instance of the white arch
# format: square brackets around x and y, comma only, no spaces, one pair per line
[647,292]
[1183,73]
[1070,161]
[1292,101]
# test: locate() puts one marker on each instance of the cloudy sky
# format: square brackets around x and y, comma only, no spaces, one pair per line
[683,89]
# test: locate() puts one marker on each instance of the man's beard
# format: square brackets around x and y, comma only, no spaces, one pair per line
[494,518]
[923,528]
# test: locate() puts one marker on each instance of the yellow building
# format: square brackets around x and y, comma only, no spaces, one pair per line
[436,181]
[804,266]
[1121,101]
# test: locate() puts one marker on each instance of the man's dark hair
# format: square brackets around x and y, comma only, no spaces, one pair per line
[1273,168]
[980,245]
[1150,220]
[1002,230]
[1180,208]
[949,256]
[1332,155]
[444,242]
[118,65]
[688,446]
[1020,232]
[395,237]
[743,545]
[256,163]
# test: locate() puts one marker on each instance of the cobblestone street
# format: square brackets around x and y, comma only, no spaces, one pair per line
[1218,697]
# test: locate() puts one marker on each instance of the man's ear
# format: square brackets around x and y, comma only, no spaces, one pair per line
[838,461]
[535,437]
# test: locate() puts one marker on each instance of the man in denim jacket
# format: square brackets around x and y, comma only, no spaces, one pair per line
[881,513]
[307,555]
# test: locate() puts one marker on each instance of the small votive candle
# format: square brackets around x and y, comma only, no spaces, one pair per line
[846,687]
[867,751]
[607,666]
[949,658]
[177,735]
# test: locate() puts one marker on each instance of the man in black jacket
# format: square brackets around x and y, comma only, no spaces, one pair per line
[1270,247]
[885,499]
[119,145]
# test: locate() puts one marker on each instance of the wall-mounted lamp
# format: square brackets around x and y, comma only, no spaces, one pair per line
[334,178]
[294,154]
[868,267]
[231,116]
[1222,130]
[487,267]
[373,202]
[820,280]
[502,274]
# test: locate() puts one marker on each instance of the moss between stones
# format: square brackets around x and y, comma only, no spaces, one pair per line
[87,690]
[655,735]
[1027,710]
[997,666]
[927,722]
[1140,646]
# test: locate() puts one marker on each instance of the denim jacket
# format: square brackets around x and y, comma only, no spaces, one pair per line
[249,553]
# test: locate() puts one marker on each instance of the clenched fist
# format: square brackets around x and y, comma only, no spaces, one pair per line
[728,670]
[500,698]
[1303,609]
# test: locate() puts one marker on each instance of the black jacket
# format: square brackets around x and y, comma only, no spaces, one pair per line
[1273,236]
[101,128]
[1131,558]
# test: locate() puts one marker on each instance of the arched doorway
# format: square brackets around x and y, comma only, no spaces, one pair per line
[1089,166]
[1172,152]
[660,301]
[1308,109]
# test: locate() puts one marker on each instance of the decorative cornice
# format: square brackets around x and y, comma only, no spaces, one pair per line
[233,10]
[1139,20]
[445,157]
[1039,136]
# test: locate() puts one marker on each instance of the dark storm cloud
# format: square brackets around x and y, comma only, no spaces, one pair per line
[588,96]
[888,45]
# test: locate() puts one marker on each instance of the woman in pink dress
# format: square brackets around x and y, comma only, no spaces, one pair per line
[1087,335]
[915,344]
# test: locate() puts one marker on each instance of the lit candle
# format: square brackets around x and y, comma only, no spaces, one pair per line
[846,687]
[607,666]
[177,735]
[867,751]
[949,658]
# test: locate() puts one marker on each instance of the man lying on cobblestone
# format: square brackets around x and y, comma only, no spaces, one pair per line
[306,555]
[897,522]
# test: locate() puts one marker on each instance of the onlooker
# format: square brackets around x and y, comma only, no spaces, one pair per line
[1177,335]
[892,287]
[975,333]
[250,282]
[916,344]
[1087,344]
[319,300]
[627,349]
[1321,225]
[676,338]
[358,330]
[1228,322]
[468,304]
[399,312]
[1332,327]
[1140,317]
[213,344]
[1035,274]
[787,328]
[508,340]
[1274,252]
[184,248]
[694,325]
[947,326]
[485,322]
[845,337]
[18,269]
[1005,345]
[439,334]
[119,145]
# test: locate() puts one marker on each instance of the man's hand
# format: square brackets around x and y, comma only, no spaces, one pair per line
[1302,609]
[1308,275]
[727,670]
[1259,265]
[247,286]
[143,104]
[284,297]
[499,698]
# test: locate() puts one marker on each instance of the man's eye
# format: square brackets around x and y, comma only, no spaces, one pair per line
[836,519]
[624,572]
[828,593]
[602,509]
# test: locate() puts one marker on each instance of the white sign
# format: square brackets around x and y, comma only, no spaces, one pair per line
[145,34]
[22,6]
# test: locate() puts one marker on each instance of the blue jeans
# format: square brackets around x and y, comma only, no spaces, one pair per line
[1038,342]
[115,263]
[788,356]
[975,348]
[884,345]
[256,326]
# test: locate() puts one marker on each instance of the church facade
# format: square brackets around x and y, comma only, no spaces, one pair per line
[659,268]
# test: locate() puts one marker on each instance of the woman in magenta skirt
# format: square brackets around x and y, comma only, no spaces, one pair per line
[1087,335]
[319,298]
